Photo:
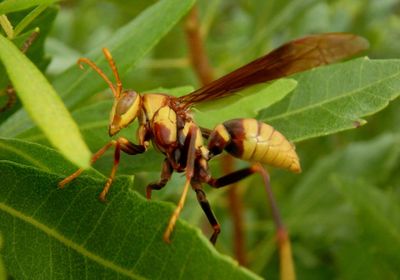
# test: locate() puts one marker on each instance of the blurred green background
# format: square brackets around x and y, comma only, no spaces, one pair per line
[342,212]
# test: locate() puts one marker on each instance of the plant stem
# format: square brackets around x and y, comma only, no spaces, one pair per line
[29,18]
[7,27]
[236,209]
[197,52]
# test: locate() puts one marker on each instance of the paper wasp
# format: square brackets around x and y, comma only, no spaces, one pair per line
[167,122]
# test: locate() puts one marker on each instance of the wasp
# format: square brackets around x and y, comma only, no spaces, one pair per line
[167,122]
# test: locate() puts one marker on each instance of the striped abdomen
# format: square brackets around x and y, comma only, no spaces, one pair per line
[252,140]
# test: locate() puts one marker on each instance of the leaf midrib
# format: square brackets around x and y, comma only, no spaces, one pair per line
[67,242]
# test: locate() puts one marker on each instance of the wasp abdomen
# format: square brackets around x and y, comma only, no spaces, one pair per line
[252,140]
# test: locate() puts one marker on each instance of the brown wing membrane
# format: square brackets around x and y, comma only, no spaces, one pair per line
[293,57]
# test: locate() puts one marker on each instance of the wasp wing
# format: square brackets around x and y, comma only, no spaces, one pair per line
[293,57]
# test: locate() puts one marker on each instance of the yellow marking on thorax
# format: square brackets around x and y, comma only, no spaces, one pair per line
[164,121]
[152,102]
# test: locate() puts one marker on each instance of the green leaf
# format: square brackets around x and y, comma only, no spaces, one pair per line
[119,239]
[9,6]
[3,274]
[334,98]
[35,52]
[378,217]
[26,21]
[38,156]
[372,160]
[43,104]
[136,39]
[129,44]
[92,121]
[245,104]
[321,212]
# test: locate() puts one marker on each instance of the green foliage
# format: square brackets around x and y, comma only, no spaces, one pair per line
[357,210]
[136,38]
[79,229]
[45,108]
[334,98]
[9,6]
[342,213]
[3,274]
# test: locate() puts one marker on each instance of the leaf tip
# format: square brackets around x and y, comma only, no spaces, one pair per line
[81,159]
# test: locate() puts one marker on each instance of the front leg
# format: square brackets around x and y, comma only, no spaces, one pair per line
[120,144]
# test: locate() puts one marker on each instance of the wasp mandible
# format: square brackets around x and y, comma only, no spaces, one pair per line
[167,121]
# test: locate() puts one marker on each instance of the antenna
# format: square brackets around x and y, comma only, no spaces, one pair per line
[116,91]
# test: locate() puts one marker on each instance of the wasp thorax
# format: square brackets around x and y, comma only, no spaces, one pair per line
[125,110]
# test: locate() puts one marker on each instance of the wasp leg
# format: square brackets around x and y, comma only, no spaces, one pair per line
[205,132]
[231,177]
[285,250]
[243,173]
[205,205]
[191,155]
[78,172]
[106,188]
[166,173]
[120,144]
[281,233]
[126,146]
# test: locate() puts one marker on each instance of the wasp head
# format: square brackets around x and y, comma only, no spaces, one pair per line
[126,102]
[125,110]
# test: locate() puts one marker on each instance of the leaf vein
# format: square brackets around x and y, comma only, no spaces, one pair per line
[67,242]
[24,155]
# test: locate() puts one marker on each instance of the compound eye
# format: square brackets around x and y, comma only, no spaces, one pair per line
[127,99]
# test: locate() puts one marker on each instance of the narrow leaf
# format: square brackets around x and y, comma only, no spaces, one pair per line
[6,25]
[9,6]
[334,98]
[43,104]
[28,19]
